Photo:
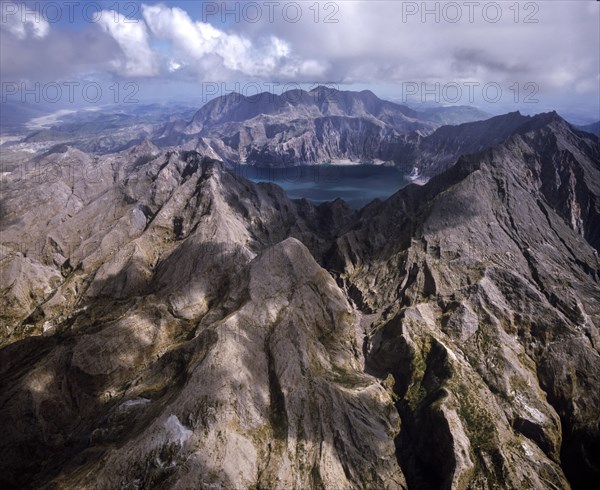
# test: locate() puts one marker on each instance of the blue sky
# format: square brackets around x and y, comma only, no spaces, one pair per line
[501,56]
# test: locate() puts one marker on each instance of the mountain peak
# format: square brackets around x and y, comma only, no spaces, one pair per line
[264,118]
[145,147]
[143,337]
[323,88]
[541,120]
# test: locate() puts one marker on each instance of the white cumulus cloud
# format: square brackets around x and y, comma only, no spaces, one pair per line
[22,21]
[210,50]
[138,59]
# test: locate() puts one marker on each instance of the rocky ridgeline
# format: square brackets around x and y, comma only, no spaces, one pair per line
[328,125]
[166,323]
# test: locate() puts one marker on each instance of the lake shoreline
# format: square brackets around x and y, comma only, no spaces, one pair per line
[357,184]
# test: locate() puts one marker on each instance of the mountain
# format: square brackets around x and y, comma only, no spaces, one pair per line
[296,127]
[435,153]
[170,324]
[453,114]
[101,132]
[298,104]
[593,128]
[326,125]
[165,271]
[323,125]
[488,321]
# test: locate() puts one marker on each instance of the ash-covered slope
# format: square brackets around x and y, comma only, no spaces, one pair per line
[170,325]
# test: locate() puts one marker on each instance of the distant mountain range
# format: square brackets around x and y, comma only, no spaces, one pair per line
[453,114]
[101,131]
[593,128]
[296,127]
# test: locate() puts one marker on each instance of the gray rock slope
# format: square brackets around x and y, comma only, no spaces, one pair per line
[327,125]
[167,324]
[296,127]
[170,332]
[487,299]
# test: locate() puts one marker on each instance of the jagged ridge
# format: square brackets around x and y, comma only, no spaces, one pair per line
[184,325]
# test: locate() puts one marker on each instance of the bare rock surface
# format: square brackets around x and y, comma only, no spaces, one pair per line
[491,313]
[167,324]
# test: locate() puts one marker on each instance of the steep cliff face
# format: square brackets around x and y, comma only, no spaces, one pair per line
[327,125]
[297,105]
[322,125]
[167,324]
[488,303]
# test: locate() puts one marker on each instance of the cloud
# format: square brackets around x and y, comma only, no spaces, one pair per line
[138,59]
[22,22]
[372,44]
[61,55]
[209,50]
[174,65]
